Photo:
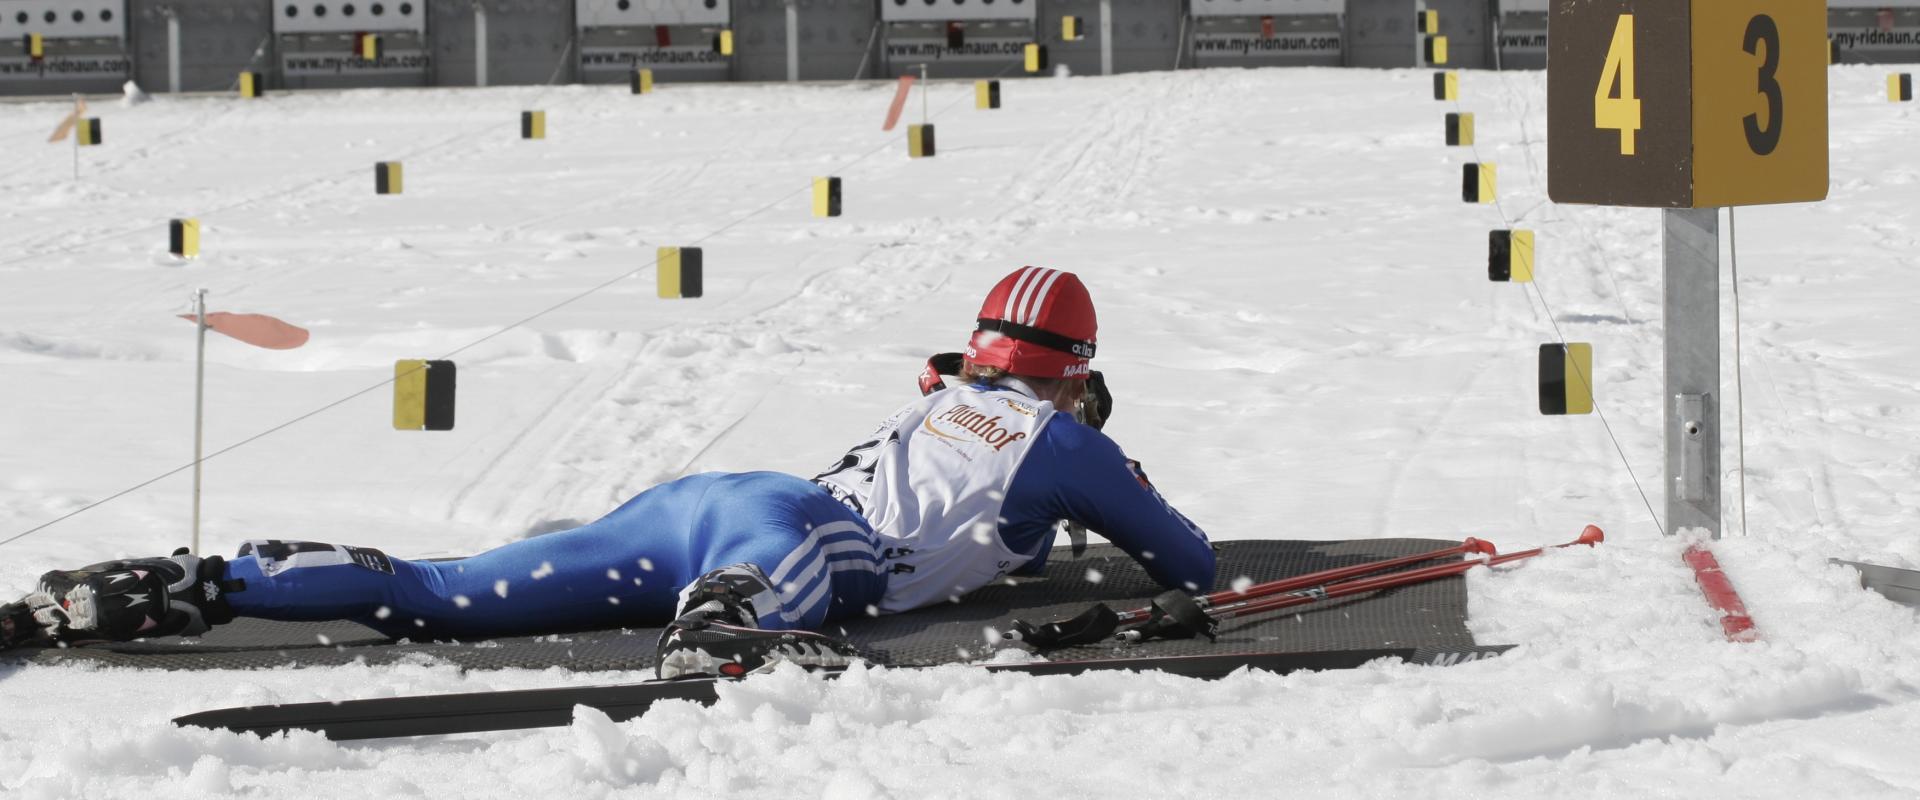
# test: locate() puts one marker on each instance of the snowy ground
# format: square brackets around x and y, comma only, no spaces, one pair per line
[1296,321]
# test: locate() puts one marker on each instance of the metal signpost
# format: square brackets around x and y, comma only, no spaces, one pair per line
[1691,314]
[1688,106]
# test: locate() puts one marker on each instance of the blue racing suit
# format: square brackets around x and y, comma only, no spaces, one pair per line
[823,556]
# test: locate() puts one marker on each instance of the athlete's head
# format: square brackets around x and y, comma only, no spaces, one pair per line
[1036,322]
[1038,325]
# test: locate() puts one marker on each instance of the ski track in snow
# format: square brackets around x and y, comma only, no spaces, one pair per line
[1294,318]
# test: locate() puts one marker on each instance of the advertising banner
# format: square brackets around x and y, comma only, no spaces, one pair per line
[67,67]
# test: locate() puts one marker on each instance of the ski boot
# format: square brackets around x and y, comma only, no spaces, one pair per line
[17,626]
[115,601]
[718,633]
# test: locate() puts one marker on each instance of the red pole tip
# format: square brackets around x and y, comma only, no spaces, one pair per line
[1591,536]
[1473,545]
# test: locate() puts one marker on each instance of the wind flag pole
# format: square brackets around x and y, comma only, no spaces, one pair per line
[258,330]
[923,94]
[66,127]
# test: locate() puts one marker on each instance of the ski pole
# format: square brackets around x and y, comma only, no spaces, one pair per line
[1592,535]
[1098,623]
[1589,537]
[1182,620]
[1325,576]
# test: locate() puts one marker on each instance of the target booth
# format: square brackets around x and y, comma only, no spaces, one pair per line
[336,44]
[63,46]
[678,40]
[1267,33]
[957,38]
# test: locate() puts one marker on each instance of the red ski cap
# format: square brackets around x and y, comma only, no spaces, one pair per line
[1036,322]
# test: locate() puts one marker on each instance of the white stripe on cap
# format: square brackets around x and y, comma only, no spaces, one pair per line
[1013,297]
[1022,308]
[1040,299]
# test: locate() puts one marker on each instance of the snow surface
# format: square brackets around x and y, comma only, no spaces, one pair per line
[1296,322]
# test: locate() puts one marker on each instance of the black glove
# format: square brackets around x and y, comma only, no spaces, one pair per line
[939,366]
[1097,404]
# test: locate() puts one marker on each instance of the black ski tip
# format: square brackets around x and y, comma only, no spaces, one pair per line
[222,719]
[444,714]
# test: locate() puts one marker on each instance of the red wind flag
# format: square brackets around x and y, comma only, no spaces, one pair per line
[72,118]
[258,330]
[899,102]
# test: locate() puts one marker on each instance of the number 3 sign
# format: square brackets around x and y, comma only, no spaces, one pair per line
[1687,103]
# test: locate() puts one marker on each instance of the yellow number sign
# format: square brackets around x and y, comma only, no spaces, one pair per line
[1759,102]
[1622,112]
[1690,104]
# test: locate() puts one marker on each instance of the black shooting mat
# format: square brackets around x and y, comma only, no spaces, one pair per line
[1427,615]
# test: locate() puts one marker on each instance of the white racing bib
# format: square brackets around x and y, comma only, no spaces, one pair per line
[931,481]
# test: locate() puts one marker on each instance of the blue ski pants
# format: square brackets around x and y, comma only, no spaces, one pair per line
[624,570]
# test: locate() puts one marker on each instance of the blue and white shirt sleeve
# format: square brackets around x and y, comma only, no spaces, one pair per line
[1076,473]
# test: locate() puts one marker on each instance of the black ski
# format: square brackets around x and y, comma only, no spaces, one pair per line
[429,715]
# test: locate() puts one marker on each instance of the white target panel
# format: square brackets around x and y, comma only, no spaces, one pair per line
[349,16]
[64,19]
[622,13]
[1525,6]
[957,10]
[1266,8]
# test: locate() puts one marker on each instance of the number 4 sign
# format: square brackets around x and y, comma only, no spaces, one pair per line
[1687,103]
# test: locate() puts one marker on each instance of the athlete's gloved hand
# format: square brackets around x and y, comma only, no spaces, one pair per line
[933,378]
[1076,536]
[1097,404]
